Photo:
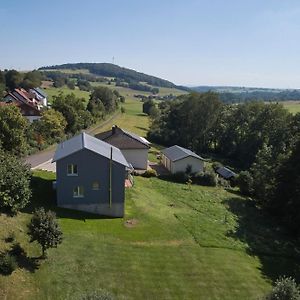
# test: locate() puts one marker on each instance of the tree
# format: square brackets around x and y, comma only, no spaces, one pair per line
[31,79]
[15,177]
[147,106]
[286,199]
[13,79]
[13,128]
[285,289]
[71,84]
[245,183]
[73,110]
[106,96]
[51,126]
[44,229]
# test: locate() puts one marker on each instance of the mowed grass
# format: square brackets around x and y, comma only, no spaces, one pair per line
[184,244]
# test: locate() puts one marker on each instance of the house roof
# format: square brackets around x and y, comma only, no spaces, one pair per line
[86,141]
[225,172]
[41,92]
[123,139]
[20,96]
[176,152]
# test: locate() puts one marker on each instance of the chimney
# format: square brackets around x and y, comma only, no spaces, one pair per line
[113,129]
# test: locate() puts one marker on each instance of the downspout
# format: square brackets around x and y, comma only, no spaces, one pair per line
[110,178]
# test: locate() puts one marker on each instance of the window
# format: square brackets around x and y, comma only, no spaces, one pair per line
[78,192]
[72,170]
[95,185]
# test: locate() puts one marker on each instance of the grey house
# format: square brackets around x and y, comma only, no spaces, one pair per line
[134,148]
[90,176]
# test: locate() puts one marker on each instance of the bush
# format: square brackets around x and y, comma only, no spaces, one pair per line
[15,177]
[10,238]
[245,183]
[216,165]
[8,264]
[285,289]
[208,178]
[16,250]
[97,295]
[180,177]
[150,173]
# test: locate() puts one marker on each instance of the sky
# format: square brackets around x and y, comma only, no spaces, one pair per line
[189,42]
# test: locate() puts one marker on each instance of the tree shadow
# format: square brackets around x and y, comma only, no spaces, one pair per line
[30,264]
[279,252]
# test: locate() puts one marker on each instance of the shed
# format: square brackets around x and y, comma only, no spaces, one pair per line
[134,147]
[225,173]
[177,159]
[90,176]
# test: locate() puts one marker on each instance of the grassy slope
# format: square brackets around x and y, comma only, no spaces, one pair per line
[187,244]
[197,244]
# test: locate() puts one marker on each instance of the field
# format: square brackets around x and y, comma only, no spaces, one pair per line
[292,106]
[52,91]
[174,243]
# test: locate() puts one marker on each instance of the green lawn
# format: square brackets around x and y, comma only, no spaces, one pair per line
[52,91]
[203,243]
[292,106]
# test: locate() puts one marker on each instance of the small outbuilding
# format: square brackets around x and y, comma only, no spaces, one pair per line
[134,148]
[225,173]
[178,159]
[90,176]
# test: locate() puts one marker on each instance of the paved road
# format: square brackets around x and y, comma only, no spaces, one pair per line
[43,158]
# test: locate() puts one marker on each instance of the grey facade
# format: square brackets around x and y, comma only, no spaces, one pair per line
[99,179]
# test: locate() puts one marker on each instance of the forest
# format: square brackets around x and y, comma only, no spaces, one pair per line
[260,140]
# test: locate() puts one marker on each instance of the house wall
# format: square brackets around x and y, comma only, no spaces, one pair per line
[91,167]
[181,165]
[166,162]
[32,118]
[137,157]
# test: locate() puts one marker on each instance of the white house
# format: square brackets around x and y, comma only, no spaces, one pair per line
[134,148]
[178,159]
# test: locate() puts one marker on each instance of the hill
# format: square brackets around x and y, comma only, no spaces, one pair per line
[242,94]
[111,70]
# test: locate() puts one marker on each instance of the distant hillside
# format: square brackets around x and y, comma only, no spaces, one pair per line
[111,70]
[241,94]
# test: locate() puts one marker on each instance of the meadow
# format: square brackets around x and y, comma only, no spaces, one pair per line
[174,242]
[292,106]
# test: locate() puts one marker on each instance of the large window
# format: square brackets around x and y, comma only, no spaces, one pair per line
[78,192]
[72,170]
[95,185]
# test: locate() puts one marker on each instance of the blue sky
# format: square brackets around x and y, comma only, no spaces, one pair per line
[244,43]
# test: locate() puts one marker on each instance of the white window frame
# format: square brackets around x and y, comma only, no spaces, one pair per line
[96,182]
[72,170]
[78,192]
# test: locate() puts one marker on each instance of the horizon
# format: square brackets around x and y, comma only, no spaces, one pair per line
[196,43]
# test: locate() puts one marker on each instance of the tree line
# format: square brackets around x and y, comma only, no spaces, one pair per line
[11,79]
[261,139]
